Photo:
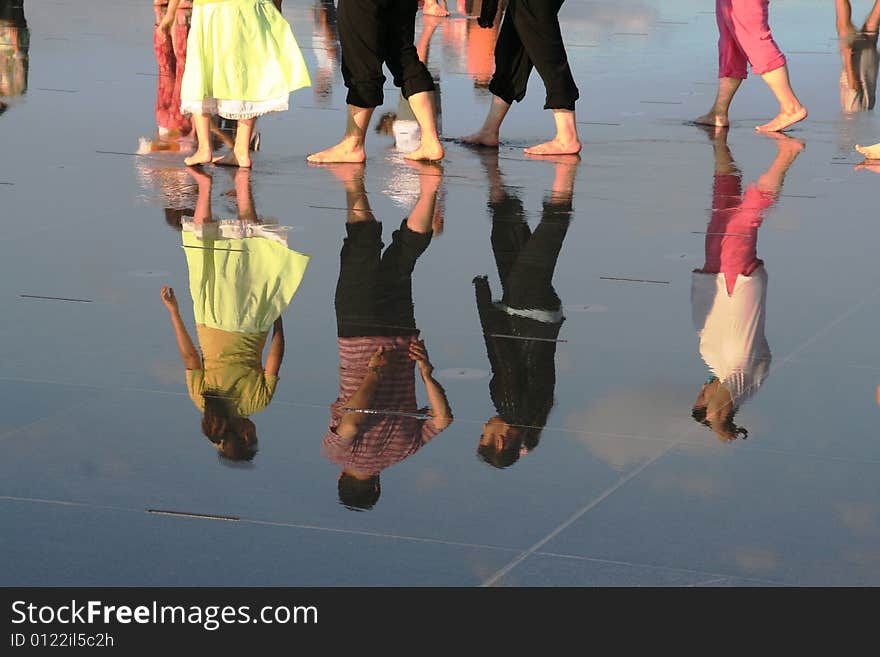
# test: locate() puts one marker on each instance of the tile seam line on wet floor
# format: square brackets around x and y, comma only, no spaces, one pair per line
[251,521]
[399,537]
[508,568]
[708,573]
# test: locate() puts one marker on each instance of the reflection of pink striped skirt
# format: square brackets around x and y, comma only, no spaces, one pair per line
[744,37]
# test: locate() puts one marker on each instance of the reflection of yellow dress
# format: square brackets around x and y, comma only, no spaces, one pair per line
[239,288]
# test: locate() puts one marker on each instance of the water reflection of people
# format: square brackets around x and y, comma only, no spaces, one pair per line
[14,46]
[241,277]
[521,329]
[376,421]
[729,292]
[858,51]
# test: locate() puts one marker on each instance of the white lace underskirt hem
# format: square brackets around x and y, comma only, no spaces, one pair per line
[235,109]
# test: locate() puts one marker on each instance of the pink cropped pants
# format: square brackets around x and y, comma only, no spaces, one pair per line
[745,38]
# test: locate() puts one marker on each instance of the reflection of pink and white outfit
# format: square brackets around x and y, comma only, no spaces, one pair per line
[729,293]
[745,38]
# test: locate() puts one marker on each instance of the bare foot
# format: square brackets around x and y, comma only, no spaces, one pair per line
[555,147]
[348,150]
[233,160]
[482,138]
[431,151]
[197,158]
[713,119]
[870,152]
[434,9]
[783,120]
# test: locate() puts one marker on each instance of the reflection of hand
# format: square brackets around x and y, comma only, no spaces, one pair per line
[419,353]
[378,360]
[168,298]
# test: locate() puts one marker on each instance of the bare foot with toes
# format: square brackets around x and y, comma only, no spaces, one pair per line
[431,151]
[197,158]
[783,120]
[482,138]
[233,160]
[348,150]
[870,152]
[555,147]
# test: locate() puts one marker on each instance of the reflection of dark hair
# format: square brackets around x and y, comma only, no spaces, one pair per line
[3,107]
[699,414]
[233,440]
[359,494]
[499,458]
[174,217]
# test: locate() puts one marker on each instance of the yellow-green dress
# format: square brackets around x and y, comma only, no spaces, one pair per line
[239,288]
[242,60]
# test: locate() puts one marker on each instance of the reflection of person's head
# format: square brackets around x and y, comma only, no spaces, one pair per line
[714,408]
[358,492]
[234,437]
[502,444]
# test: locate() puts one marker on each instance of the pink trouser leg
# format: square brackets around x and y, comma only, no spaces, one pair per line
[751,29]
[731,58]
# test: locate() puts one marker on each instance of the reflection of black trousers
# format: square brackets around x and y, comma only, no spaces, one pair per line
[374,291]
[522,349]
[525,259]
[530,37]
[375,31]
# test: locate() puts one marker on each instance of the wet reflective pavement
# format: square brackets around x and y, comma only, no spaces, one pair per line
[588,368]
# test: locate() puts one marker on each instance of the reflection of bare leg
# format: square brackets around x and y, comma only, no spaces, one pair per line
[356,200]
[241,154]
[566,141]
[431,149]
[488,134]
[351,148]
[421,217]
[872,22]
[870,152]
[202,213]
[717,116]
[563,181]
[203,132]
[788,149]
[843,13]
[245,196]
[790,109]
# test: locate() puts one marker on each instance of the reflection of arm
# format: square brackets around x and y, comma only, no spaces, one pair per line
[440,411]
[188,353]
[276,349]
[362,398]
